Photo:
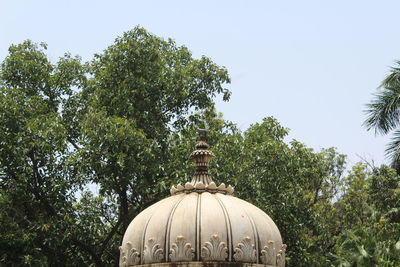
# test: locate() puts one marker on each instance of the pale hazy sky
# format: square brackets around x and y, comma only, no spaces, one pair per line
[313,65]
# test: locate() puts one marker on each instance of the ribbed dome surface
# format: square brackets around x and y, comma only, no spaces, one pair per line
[202,227]
[201,222]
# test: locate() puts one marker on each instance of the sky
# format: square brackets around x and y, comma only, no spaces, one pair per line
[313,65]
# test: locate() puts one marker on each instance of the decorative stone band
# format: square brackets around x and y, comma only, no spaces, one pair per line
[128,256]
[270,255]
[199,187]
[245,251]
[213,250]
[202,152]
[203,264]
[152,252]
[180,250]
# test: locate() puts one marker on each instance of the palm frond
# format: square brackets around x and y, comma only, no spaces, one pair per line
[383,113]
[393,150]
[393,78]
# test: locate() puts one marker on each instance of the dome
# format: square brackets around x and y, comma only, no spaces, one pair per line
[202,223]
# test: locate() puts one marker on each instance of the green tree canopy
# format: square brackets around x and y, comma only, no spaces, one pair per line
[383,113]
[86,146]
[71,124]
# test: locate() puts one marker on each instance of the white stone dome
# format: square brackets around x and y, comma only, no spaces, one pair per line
[201,222]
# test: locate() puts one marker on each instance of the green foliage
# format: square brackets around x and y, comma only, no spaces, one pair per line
[383,113]
[153,81]
[36,190]
[84,147]
[291,182]
[370,207]
[384,190]
[72,125]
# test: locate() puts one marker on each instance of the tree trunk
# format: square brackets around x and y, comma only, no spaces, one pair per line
[124,209]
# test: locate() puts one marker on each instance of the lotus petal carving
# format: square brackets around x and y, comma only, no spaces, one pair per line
[173,190]
[280,257]
[200,185]
[230,190]
[212,186]
[189,186]
[152,252]
[268,253]
[180,250]
[122,258]
[129,255]
[214,250]
[221,187]
[245,251]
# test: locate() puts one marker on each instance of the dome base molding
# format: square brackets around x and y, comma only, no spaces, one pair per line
[202,264]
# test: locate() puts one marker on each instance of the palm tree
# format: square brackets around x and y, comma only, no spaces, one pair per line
[383,114]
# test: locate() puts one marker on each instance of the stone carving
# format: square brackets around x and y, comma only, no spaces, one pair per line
[245,251]
[268,253]
[202,180]
[180,250]
[280,257]
[152,252]
[122,258]
[214,250]
[200,187]
[129,256]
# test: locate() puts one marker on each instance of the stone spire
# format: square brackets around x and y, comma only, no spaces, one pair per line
[201,180]
[201,157]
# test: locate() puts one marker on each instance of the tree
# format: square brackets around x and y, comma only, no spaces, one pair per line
[383,113]
[67,125]
[369,215]
[125,123]
[143,87]
[95,129]
[290,182]
[36,191]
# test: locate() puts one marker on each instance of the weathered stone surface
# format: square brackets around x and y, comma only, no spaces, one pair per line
[204,264]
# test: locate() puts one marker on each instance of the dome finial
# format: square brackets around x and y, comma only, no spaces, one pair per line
[202,156]
[201,180]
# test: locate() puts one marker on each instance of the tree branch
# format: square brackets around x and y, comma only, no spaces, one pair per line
[110,235]
[72,142]
[89,250]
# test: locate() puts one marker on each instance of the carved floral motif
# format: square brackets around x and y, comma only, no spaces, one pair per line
[122,258]
[201,187]
[268,253]
[245,251]
[180,250]
[280,257]
[129,255]
[214,250]
[152,252]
